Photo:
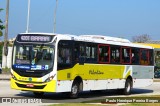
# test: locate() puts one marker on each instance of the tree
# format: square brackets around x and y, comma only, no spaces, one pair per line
[1,26]
[141,38]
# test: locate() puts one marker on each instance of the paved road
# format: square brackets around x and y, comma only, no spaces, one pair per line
[6,91]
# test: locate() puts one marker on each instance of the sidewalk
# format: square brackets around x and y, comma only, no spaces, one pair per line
[5,76]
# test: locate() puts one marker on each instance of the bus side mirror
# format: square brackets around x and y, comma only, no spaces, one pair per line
[81,60]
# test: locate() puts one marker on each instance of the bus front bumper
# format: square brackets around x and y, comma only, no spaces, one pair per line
[37,87]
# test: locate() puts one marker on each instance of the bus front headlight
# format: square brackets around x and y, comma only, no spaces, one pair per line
[13,77]
[50,78]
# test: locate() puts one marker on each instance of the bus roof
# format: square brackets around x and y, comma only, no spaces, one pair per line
[107,38]
[39,33]
[102,39]
[96,39]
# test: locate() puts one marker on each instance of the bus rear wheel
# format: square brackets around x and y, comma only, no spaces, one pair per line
[128,87]
[38,94]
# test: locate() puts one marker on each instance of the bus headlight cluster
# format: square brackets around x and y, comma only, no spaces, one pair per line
[13,77]
[50,78]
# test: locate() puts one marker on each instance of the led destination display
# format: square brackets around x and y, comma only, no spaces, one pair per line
[34,38]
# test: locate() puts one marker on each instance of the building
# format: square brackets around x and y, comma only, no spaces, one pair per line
[7,62]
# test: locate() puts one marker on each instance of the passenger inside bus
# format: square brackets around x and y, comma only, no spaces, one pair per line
[44,56]
[135,56]
[64,56]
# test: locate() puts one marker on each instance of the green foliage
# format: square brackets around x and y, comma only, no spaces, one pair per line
[1,25]
[6,70]
[141,38]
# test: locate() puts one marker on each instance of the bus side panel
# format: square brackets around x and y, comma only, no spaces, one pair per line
[94,76]
[92,72]
[142,82]
[64,86]
[103,84]
[142,76]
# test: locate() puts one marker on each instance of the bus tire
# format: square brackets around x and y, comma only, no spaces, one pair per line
[38,94]
[75,90]
[128,87]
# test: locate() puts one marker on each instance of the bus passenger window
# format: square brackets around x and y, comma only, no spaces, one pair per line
[82,51]
[135,56]
[151,57]
[64,55]
[91,53]
[104,54]
[144,54]
[115,54]
[126,55]
[76,54]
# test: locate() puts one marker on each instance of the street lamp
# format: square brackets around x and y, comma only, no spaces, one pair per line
[6,31]
[55,11]
[28,16]
[5,50]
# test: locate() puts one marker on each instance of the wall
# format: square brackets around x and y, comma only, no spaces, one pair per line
[7,62]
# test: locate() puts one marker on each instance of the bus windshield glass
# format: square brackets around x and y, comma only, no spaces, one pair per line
[33,56]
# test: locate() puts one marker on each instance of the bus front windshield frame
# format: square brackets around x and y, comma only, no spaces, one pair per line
[33,56]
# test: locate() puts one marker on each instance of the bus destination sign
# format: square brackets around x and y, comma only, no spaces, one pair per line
[34,38]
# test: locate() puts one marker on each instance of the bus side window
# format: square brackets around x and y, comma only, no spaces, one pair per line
[104,53]
[151,60]
[82,54]
[82,51]
[59,56]
[126,55]
[64,55]
[91,53]
[115,54]
[144,57]
[76,54]
[135,56]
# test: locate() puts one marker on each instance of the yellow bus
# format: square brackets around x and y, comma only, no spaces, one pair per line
[43,62]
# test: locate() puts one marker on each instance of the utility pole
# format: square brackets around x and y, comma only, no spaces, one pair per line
[55,11]
[6,35]
[28,16]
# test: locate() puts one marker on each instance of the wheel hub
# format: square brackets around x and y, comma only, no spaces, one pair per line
[74,89]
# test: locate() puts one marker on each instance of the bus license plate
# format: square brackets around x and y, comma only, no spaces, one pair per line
[30,85]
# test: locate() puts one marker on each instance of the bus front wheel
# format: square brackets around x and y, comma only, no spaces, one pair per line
[74,90]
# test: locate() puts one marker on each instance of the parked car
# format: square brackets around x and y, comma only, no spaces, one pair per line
[157,72]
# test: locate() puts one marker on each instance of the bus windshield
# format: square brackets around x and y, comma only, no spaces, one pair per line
[33,56]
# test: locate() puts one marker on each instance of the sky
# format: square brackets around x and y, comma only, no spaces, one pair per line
[117,18]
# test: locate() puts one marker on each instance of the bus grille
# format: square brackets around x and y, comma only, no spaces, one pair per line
[35,73]
[34,87]
[31,74]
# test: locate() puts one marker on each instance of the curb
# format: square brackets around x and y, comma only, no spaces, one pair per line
[156,80]
[5,77]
